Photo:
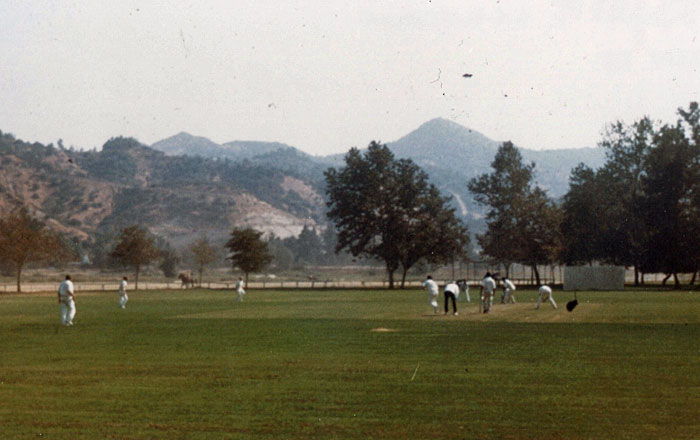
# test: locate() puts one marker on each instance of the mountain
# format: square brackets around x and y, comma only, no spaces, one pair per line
[450,153]
[186,185]
[89,194]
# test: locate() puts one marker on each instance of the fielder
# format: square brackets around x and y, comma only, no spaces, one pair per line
[465,284]
[66,298]
[488,286]
[432,288]
[239,289]
[123,297]
[508,289]
[545,291]
[451,293]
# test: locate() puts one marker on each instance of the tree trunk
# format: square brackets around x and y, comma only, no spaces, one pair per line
[201,270]
[19,279]
[537,274]
[692,280]
[677,283]
[663,282]
[403,277]
[636,276]
[138,269]
[391,278]
[642,278]
[246,280]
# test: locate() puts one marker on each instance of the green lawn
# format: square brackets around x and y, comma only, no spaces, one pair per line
[350,364]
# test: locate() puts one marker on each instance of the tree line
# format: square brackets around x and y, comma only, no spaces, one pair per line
[639,210]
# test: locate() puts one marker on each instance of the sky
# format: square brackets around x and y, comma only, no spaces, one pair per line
[325,76]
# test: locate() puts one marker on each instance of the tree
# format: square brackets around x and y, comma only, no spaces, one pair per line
[248,251]
[385,209]
[24,239]
[627,149]
[136,248]
[670,181]
[522,222]
[582,216]
[204,254]
[168,262]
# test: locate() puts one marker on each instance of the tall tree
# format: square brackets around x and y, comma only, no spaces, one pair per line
[204,254]
[248,251]
[670,180]
[25,239]
[382,208]
[522,221]
[627,149]
[582,217]
[136,248]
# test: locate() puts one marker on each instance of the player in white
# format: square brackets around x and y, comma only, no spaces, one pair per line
[488,286]
[451,293]
[465,285]
[432,288]
[239,289]
[66,297]
[123,297]
[545,292]
[508,289]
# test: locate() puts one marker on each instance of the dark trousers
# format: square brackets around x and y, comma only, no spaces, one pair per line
[448,296]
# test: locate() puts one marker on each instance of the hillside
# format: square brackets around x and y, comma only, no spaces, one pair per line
[86,194]
[450,153]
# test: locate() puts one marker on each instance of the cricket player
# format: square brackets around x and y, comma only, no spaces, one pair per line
[239,289]
[66,297]
[123,297]
[545,292]
[508,289]
[432,288]
[488,286]
[451,293]
[465,284]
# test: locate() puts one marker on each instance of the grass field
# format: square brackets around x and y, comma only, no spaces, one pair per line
[350,364]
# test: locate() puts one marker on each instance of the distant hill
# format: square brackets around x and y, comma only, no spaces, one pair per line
[186,185]
[87,194]
[450,153]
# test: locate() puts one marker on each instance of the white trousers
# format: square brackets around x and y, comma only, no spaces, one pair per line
[550,299]
[432,300]
[509,297]
[67,311]
[123,298]
[487,301]
[466,295]
[240,293]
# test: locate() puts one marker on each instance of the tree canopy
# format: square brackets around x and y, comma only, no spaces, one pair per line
[522,222]
[641,208]
[204,254]
[385,209]
[25,239]
[248,251]
[135,248]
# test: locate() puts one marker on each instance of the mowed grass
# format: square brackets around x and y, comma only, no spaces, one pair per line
[350,364]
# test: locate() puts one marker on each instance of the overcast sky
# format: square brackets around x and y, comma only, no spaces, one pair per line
[324,76]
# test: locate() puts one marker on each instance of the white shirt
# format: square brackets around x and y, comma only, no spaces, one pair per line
[509,284]
[66,288]
[431,286]
[122,287]
[452,287]
[239,285]
[489,284]
[545,290]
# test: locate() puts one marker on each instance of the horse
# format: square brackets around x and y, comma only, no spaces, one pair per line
[187,280]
